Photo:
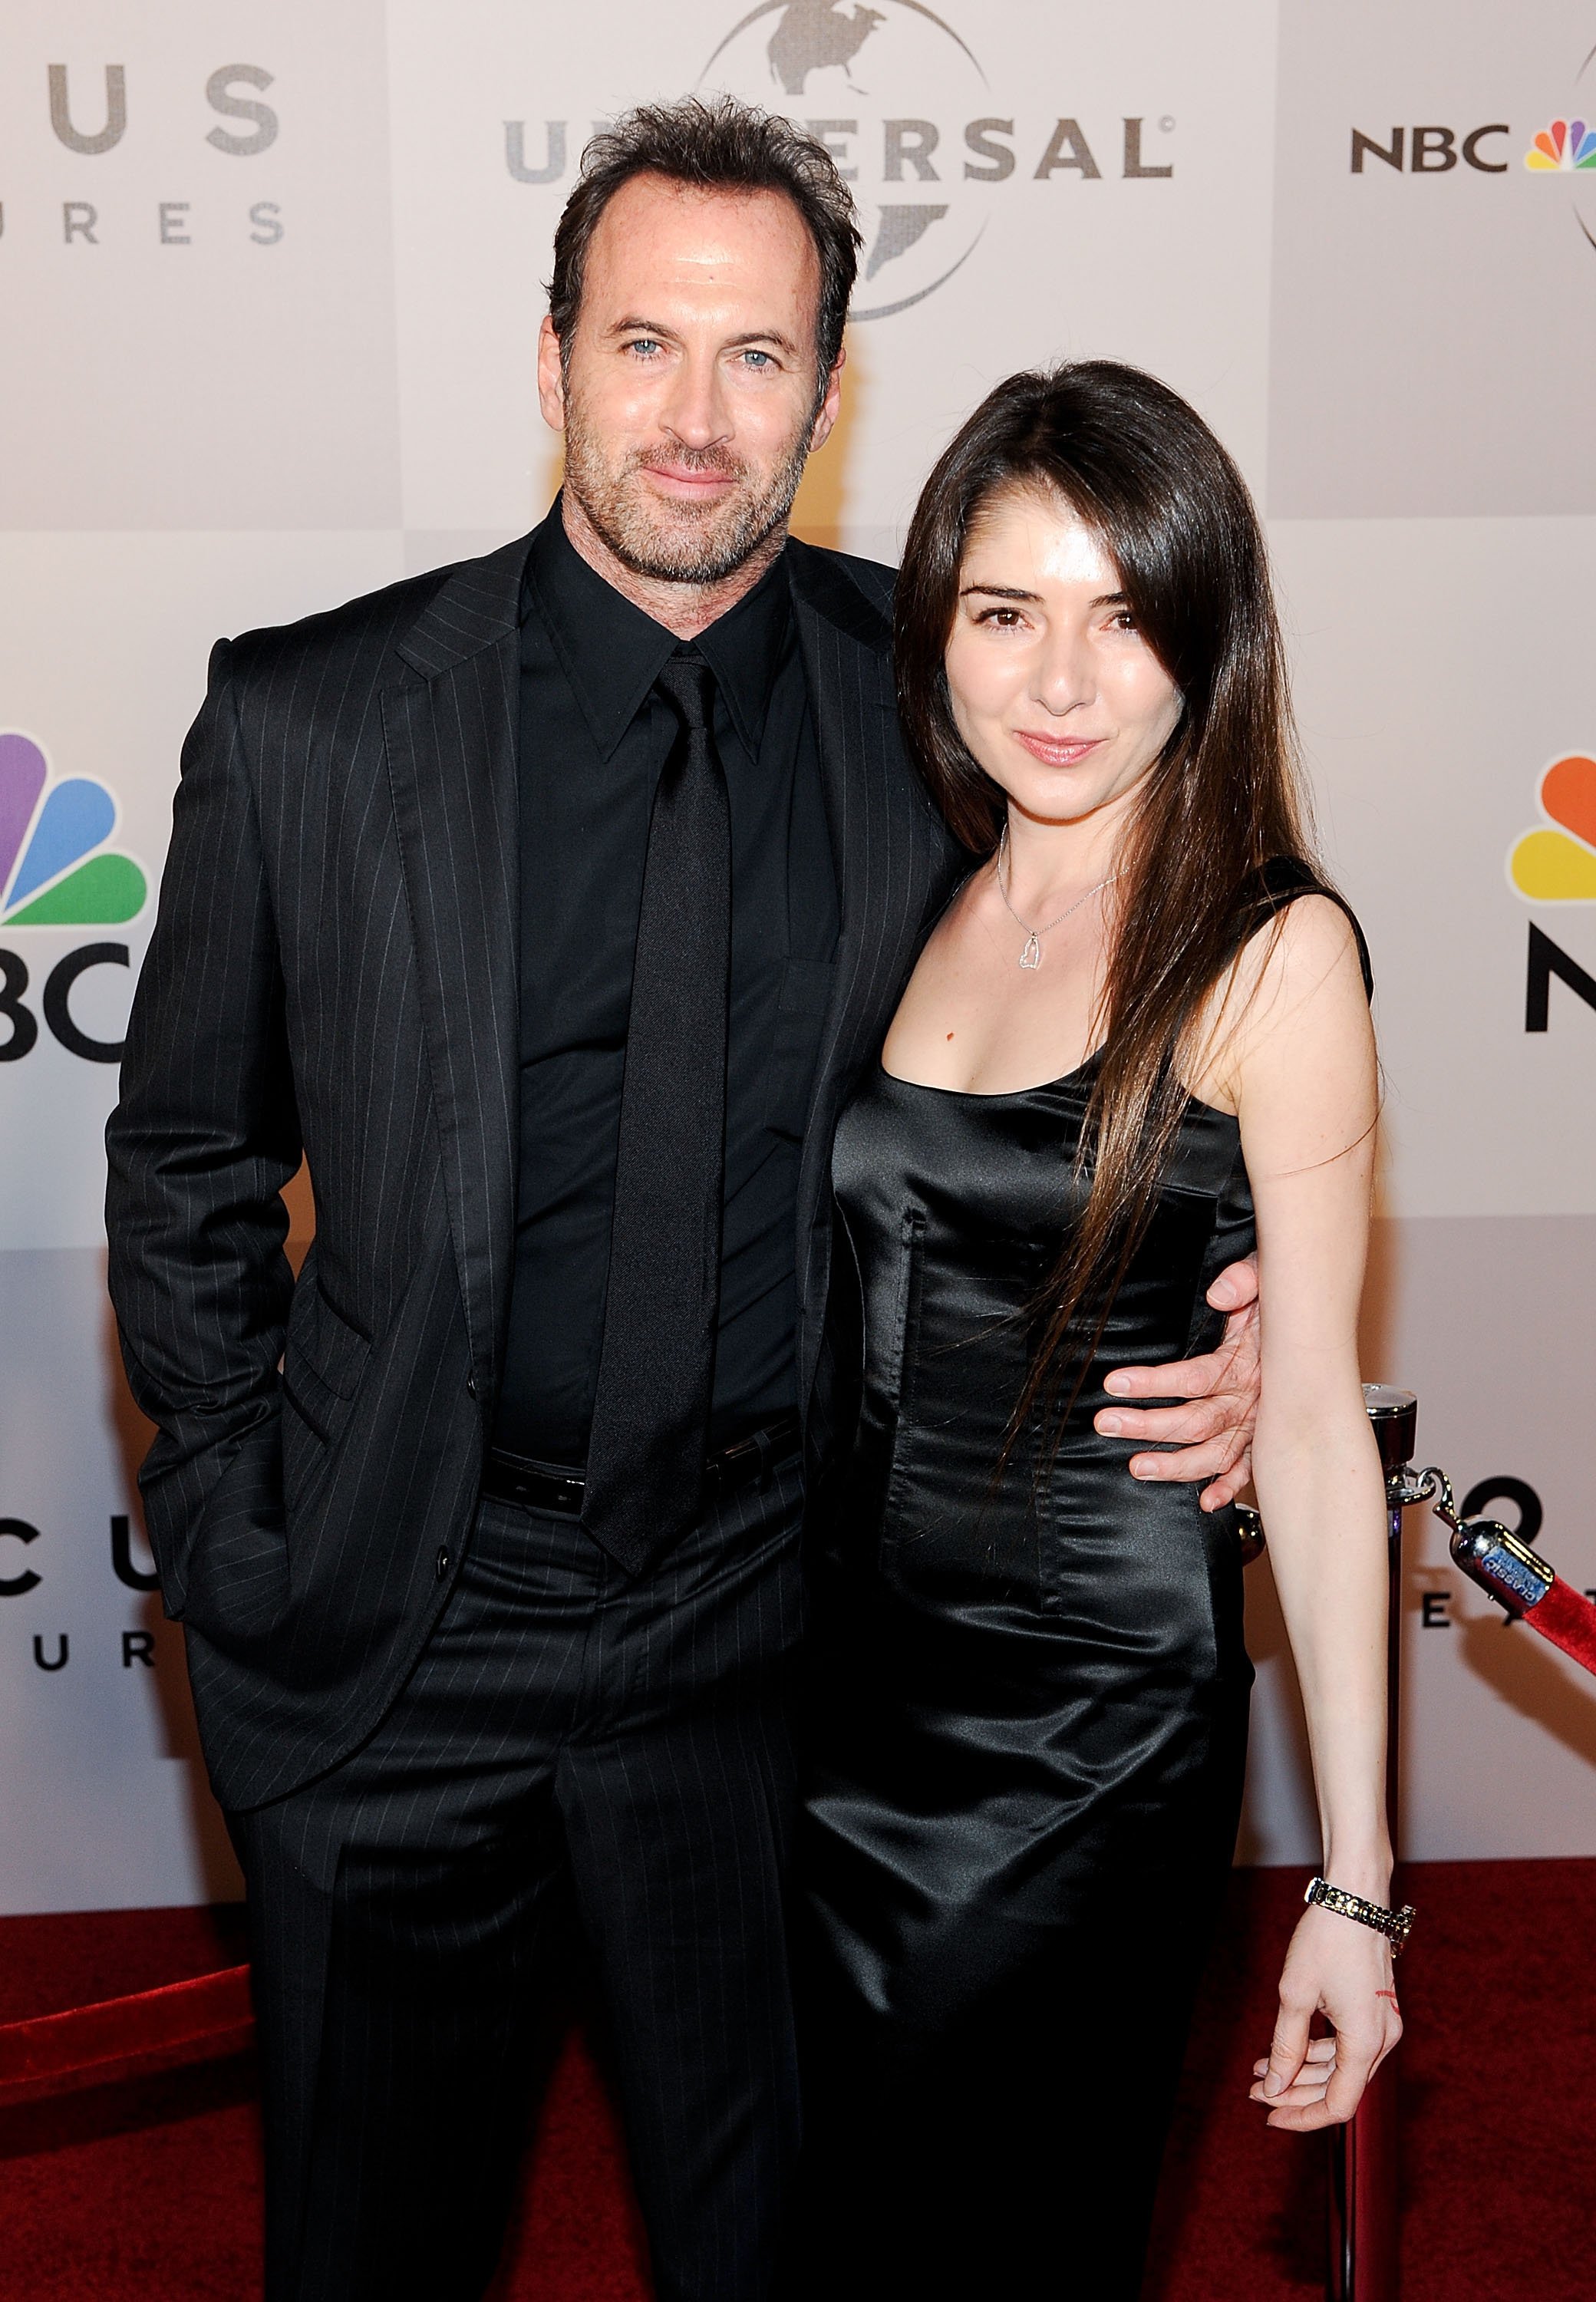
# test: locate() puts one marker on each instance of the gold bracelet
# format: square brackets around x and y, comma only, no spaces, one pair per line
[1396,1925]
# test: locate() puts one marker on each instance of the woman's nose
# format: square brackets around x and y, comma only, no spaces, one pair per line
[1063,677]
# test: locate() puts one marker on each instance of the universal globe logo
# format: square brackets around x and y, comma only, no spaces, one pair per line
[890,90]
[904,105]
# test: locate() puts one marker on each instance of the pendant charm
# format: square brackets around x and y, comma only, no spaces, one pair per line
[1031,956]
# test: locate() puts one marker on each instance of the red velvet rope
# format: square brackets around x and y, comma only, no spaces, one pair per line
[192,2022]
[1567,1617]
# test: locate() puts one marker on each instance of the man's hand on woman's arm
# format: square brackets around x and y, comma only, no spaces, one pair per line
[1212,1432]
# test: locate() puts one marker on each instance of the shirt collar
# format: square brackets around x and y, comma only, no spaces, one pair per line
[745,649]
[613,652]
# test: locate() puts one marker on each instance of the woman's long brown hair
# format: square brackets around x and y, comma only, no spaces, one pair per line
[1140,467]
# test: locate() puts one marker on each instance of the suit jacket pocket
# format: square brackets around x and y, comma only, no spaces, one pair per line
[237,1581]
[325,1356]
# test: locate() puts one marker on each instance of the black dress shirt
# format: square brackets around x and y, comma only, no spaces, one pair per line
[593,739]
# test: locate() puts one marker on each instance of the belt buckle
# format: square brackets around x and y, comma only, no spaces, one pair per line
[746,1462]
[536,1486]
[570,1491]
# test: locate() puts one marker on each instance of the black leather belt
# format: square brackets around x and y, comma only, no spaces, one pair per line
[557,1487]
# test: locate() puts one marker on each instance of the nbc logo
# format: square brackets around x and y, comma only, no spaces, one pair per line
[1556,863]
[1566,144]
[1548,866]
[56,868]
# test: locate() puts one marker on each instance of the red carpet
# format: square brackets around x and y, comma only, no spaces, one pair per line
[148,2191]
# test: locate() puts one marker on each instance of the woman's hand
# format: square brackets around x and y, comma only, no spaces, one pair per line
[1344,1971]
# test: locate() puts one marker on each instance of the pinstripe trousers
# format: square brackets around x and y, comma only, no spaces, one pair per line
[569,1736]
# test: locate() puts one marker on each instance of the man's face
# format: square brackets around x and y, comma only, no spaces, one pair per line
[688,393]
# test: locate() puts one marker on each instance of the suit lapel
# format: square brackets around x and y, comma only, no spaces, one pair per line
[895,864]
[451,743]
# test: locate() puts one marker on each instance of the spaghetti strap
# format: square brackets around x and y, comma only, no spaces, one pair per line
[1278,883]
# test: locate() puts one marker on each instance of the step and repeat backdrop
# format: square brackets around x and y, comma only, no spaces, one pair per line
[269,291]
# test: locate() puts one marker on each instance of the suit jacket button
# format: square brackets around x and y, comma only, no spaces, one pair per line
[443,1565]
[471,1386]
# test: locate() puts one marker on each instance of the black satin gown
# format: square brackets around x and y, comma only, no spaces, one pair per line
[1027,1720]
[1026,1716]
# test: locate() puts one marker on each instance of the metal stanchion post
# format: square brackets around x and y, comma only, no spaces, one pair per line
[1363,2157]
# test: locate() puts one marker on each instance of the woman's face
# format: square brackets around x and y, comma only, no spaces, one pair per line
[1057,694]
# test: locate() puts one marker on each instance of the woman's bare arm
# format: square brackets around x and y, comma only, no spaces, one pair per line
[1303,1066]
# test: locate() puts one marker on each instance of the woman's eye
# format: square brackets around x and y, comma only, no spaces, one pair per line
[1002,619]
[1122,620]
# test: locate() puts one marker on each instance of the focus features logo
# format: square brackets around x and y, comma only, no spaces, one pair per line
[20,1578]
[57,869]
[903,106]
[1556,863]
[90,115]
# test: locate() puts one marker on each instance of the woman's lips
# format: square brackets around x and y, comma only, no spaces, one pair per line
[1057,750]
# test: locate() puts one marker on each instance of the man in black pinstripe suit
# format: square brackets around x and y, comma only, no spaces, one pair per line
[450,1684]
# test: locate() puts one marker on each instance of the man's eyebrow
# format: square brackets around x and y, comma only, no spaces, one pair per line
[763,336]
[637,326]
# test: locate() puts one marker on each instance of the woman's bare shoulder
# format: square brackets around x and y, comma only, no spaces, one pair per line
[1300,970]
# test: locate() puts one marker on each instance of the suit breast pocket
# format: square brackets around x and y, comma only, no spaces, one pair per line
[795,1044]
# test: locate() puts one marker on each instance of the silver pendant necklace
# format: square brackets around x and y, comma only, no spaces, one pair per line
[1030,957]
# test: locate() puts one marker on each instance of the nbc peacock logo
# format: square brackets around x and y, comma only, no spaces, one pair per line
[1556,863]
[56,867]
[1567,147]
[1563,146]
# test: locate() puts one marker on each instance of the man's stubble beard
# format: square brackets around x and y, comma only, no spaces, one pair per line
[689,545]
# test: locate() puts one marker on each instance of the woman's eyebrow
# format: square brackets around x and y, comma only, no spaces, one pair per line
[1014,591]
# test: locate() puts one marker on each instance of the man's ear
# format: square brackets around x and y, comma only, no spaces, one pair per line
[830,403]
[551,382]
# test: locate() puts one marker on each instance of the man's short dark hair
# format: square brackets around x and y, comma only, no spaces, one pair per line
[717,145]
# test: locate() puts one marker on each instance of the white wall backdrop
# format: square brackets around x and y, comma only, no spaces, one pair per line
[269,288]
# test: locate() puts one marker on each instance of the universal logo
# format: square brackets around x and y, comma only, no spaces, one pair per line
[57,869]
[91,120]
[1566,146]
[903,106]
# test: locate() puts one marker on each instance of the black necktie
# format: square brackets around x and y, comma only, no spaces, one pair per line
[646,1454]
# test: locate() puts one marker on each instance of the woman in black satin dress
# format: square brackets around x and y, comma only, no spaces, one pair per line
[1135,1045]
